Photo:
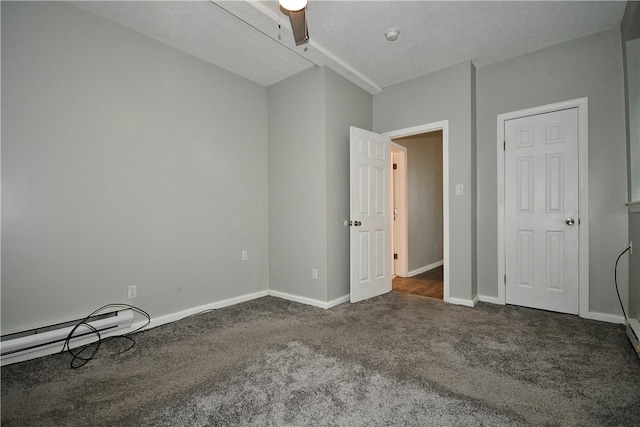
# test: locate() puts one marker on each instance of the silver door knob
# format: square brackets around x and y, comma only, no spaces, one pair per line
[357,223]
[570,221]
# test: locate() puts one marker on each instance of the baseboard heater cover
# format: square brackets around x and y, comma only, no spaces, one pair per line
[633,332]
[18,347]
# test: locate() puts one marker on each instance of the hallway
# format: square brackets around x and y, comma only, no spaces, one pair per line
[428,284]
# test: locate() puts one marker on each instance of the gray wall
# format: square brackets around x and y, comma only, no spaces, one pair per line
[309,118]
[127,162]
[588,67]
[123,162]
[424,197]
[630,30]
[443,95]
[298,185]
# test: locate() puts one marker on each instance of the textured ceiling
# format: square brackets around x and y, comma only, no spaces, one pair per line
[348,36]
[207,31]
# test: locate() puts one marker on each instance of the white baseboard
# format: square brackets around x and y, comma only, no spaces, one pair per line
[491,300]
[593,315]
[162,320]
[605,317]
[338,301]
[168,318]
[310,301]
[461,301]
[425,268]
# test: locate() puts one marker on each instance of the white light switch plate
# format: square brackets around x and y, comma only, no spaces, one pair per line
[459,189]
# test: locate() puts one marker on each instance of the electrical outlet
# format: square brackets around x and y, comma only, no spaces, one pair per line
[435,248]
[314,273]
[131,292]
[245,255]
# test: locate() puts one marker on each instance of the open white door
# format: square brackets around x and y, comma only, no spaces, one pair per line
[370,221]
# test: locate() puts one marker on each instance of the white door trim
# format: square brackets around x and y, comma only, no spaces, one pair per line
[583,177]
[431,127]
[400,190]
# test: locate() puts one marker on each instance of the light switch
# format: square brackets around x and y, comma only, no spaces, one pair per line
[459,189]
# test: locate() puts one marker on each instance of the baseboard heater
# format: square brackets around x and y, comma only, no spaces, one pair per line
[46,340]
[633,332]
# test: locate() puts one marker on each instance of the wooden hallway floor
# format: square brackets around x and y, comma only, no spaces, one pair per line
[428,284]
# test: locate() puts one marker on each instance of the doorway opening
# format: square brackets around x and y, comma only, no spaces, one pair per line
[418,193]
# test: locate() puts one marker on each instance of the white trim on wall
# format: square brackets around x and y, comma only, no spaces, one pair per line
[489,299]
[425,268]
[431,127]
[465,302]
[310,301]
[402,240]
[173,317]
[583,176]
[634,206]
[605,317]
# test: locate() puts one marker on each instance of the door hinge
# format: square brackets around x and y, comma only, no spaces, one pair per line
[395,166]
[504,146]
[505,279]
[395,256]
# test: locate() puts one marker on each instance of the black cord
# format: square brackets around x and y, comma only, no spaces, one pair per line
[78,360]
[615,280]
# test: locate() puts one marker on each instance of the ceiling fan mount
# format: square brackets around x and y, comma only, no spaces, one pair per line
[296,9]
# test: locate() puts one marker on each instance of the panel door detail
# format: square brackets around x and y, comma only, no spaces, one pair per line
[541,197]
[370,230]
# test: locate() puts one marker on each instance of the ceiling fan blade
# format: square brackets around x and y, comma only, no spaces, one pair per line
[299,26]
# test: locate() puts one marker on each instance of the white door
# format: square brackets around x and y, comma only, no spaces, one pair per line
[394,214]
[541,211]
[370,231]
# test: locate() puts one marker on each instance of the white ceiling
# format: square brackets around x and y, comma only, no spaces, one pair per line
[348,36]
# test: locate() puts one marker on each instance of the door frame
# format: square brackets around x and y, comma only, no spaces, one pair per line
[442,125]
[399,233]
[583,194]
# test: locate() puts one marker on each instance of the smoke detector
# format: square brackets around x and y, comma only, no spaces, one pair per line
[392,34]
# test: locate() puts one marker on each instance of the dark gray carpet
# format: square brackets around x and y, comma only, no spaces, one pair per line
[299,386]
[393,360]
